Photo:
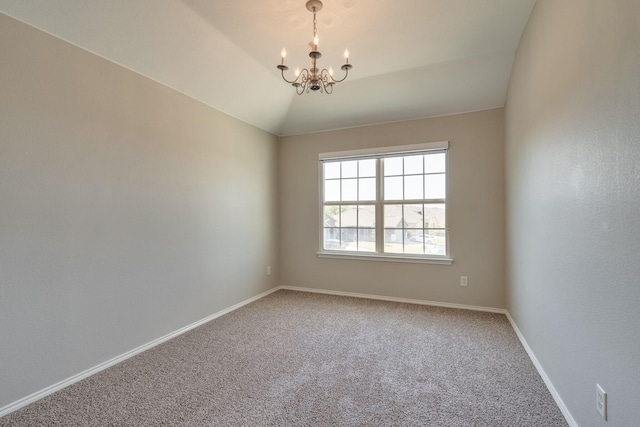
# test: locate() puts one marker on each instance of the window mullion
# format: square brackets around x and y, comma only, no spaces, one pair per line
[379,206]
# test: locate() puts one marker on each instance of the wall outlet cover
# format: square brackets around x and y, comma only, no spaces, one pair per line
[601,401]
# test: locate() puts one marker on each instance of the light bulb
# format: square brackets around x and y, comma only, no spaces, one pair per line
[331,71]
[315,42]
[284,55]
[297,72]
[346,56]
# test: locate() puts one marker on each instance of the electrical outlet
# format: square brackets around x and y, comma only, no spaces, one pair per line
[463,281]
[601,401]
[268,270]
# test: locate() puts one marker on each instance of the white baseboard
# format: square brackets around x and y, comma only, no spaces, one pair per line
[563,408]
[82,375]
[394,299]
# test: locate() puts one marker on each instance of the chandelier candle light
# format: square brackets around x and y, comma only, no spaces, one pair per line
[313,78]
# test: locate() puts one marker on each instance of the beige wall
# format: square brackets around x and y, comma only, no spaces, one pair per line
[476,213]
[573,178]
[127,210]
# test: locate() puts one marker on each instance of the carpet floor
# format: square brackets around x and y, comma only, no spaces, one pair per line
[303,359]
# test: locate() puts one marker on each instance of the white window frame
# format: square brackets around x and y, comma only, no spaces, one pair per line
[379,203]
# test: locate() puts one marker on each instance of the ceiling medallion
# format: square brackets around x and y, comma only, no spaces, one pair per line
[313,78]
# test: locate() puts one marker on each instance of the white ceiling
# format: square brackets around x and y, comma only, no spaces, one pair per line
[411,58]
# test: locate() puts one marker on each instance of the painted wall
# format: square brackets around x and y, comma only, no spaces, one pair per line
[127,210]
[475,201]
[573,191]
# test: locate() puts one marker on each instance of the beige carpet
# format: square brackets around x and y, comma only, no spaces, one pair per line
[301,359]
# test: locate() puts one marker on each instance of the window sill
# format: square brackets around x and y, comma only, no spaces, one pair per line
[384,257]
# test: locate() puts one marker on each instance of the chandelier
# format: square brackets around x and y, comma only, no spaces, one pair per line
[313,78]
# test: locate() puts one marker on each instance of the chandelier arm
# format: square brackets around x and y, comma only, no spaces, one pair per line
[304,76]
[288,81]
[304,73]
[282,70]
[327,84]
[302,82]
[346,74]
[327,81]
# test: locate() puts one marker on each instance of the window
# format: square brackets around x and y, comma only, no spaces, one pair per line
[385,203]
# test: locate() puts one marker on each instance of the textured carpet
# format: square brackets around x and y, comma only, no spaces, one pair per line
[301,359]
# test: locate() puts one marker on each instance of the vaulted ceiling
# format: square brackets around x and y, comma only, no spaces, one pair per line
[411,58]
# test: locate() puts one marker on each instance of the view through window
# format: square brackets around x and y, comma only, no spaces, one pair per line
[386,203]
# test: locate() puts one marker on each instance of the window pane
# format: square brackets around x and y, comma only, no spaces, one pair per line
[331,239]
[393,166]
[413,165]
[367,189]
[414,235]
[349,216]
[434,216]
[413,187]
[367,240]
[349,189]
[349,239]
[434,186]
[367,168]
[393,241]
[332,190]
[434,163]
[367,216]
[350,169]
[413,216]
[393,188]
[393,216]
[332,216]
[413,241]
[428,238]
[331,170]
[438,243]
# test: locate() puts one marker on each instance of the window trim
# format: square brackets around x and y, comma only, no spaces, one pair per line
[381,152]
[384,151]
